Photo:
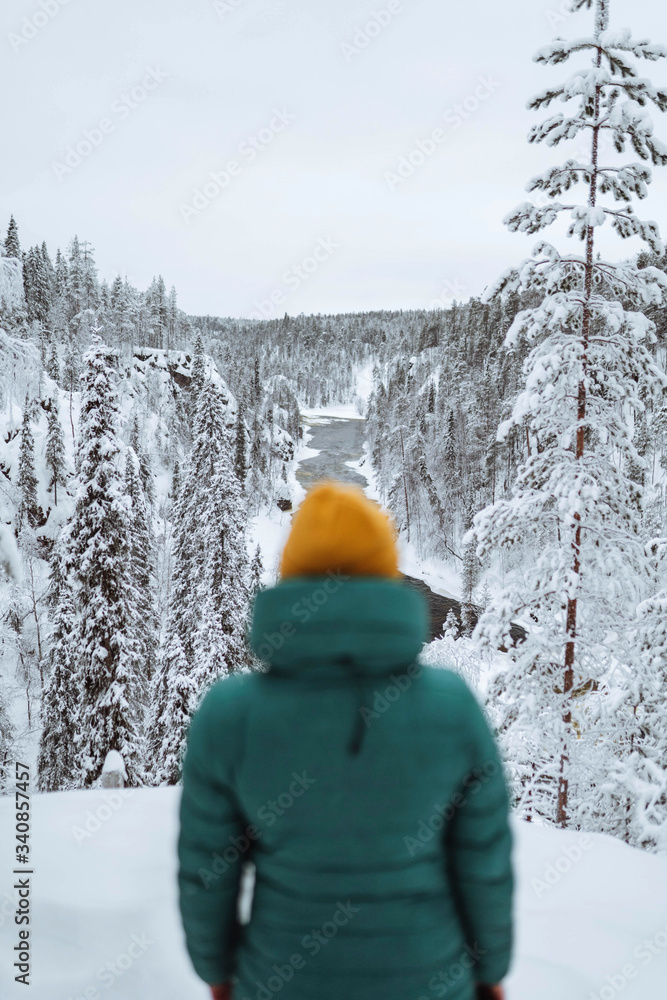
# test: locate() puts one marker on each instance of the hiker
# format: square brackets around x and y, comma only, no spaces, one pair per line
[365,789]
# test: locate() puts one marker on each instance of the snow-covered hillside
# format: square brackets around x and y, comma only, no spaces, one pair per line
[592,913]
[155,418]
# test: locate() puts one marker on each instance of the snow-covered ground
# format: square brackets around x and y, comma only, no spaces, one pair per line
[591,912]
[269,529]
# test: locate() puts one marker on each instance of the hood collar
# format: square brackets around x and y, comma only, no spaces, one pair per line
[338,624]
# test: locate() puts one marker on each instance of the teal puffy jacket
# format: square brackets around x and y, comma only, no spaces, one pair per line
[368,794]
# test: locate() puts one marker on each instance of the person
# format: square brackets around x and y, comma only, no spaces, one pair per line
[365,789]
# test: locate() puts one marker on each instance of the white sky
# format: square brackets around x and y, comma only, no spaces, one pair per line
[323,177]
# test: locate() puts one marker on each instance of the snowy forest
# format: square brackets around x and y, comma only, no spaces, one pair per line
[519,439]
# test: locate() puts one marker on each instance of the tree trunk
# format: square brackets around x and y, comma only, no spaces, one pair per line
[35,614]
[405,486]
[71,418]
[571,615]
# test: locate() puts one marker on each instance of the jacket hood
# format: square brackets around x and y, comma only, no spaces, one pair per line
[337,624]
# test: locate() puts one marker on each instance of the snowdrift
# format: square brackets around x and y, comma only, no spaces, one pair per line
[591,912]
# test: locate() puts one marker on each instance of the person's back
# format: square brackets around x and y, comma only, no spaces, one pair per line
[365,788]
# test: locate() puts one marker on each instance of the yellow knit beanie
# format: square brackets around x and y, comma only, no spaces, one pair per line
[338,528]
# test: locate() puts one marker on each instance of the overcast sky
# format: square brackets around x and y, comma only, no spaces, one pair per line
[303,109]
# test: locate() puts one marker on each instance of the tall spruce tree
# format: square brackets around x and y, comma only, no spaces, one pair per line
[12,243]
[469,574]
[172,700]
[109,668]
[223,584]
[145,469]
[240,461]
[575,509]
[57,762]
[29,511]
[55,447]
[198,369]
[53,363]
[256,571]
[209,598]
[142,568]
[71,371]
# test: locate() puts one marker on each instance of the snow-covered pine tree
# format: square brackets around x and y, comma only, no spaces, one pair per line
[60,275]
[109,669]
[451,627]
[14,352]
[71,370]
[89,286]
[240,462]
[256,385]
[220,647]
[257,486]
[38,280]
[198,369]
[173,697]
[256,571]
[55,447]
[636,792]
[469,574]
[209,597]
[145,469]
[142,567]
[12,242]
[575,513]
[29,511]
[176,481]
[11,285]
[172,319]
[187,559]
[57,762]
[53,363]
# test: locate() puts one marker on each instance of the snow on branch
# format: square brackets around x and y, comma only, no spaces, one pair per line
[628,224]
[558,129]
[507,281]
[583,84]
[11,284]
[621,182]
[529,218]
[624,182]
[558,179]
[609,42]
[621,39]
[14,353]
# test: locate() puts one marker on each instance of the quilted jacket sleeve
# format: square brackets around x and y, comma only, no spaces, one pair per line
[213,842]
[479,852]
